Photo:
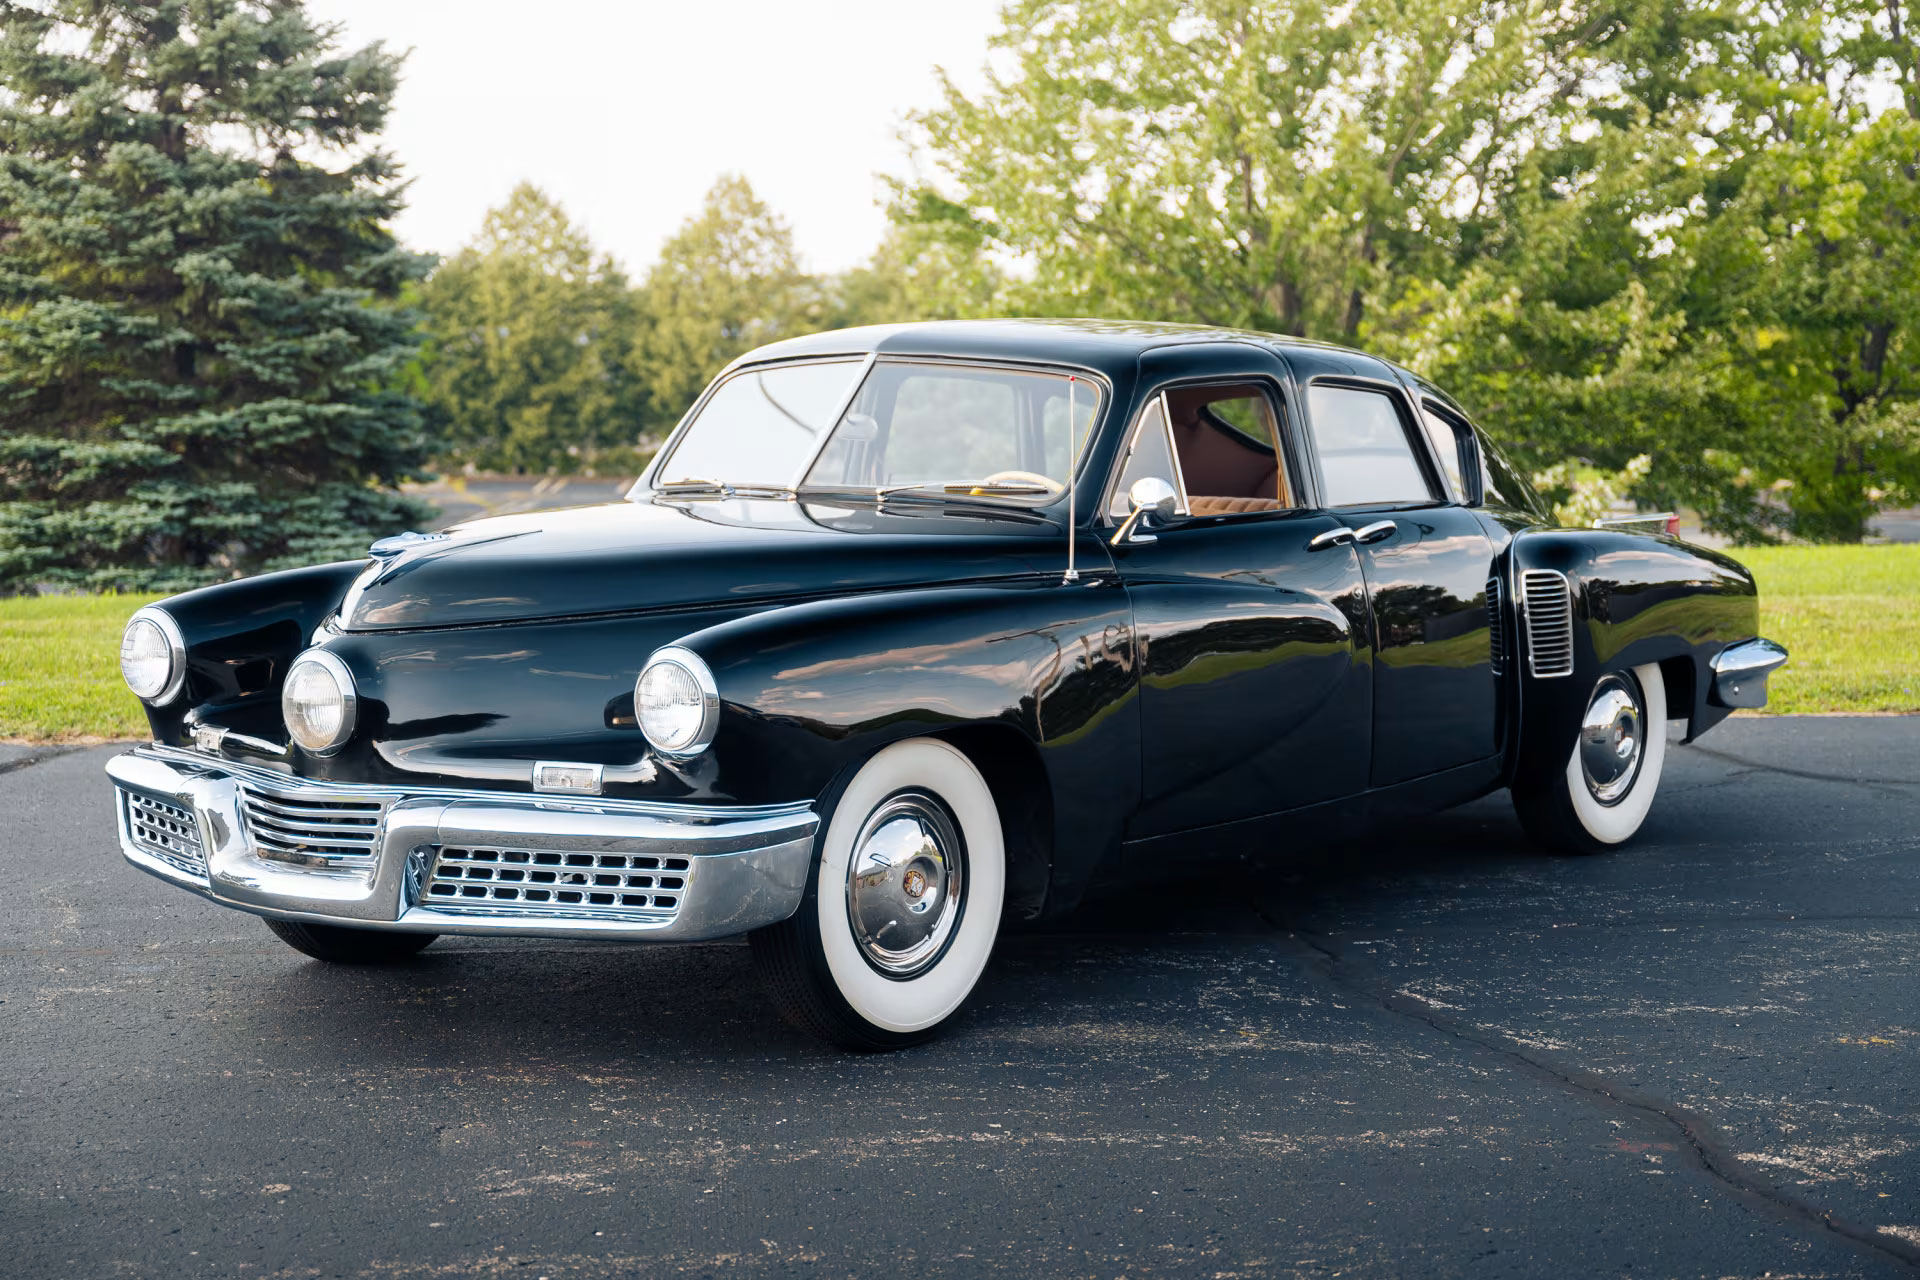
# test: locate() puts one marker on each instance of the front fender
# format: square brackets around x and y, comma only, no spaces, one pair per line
[1636,599]
[809,691]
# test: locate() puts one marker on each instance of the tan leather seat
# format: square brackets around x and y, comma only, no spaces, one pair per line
[1207,506]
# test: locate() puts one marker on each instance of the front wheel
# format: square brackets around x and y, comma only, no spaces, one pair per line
[1602,796]
[340,944]
[902,906]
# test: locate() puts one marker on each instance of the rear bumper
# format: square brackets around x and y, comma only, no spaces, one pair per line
[1740,673]
[460,862]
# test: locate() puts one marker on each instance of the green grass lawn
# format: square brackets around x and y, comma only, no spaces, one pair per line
[60,669]
[1850,616]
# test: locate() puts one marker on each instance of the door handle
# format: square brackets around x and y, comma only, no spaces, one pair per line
[1374,532]
[1331,538]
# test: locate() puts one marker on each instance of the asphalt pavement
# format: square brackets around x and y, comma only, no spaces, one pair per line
[1434,1052]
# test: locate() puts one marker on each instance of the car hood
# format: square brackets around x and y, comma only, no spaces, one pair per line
[625,557]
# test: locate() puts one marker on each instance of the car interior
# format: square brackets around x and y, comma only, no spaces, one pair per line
[1224,438]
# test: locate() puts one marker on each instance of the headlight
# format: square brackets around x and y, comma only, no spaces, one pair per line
[153,657]
[676,703]
[318,702]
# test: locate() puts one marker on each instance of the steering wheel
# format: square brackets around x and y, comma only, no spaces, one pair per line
[1026,477]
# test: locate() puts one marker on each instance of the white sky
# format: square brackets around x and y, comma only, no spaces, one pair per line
[627,112]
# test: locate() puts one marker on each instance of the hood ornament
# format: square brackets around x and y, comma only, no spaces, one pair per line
[403,542]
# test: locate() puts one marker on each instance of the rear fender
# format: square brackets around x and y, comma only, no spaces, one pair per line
[1636,599]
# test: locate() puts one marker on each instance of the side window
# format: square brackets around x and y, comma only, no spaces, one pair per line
[1150,453]
[1503,484]
[1366,457]
[1450,443]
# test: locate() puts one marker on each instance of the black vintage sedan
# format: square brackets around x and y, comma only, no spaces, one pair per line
[912,631]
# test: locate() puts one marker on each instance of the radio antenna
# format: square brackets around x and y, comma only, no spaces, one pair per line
[1073,574]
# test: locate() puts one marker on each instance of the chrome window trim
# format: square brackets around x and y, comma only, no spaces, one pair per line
[1117,470]
[177,652]
[1408,413]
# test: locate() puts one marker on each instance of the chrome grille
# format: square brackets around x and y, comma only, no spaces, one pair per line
[1548,603]
[611,886]
[1496,632]
[302,828]
[166,831]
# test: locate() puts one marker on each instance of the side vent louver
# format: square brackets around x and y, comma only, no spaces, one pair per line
[1547,601]
[1496,631]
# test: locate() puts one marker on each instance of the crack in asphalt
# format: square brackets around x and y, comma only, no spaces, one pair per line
[41,757]
[1709,1155]
[1809,774]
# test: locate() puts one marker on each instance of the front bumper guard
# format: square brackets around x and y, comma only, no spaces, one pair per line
[736,868]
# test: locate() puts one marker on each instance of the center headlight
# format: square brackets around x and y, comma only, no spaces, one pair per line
[318,702]
[676,703]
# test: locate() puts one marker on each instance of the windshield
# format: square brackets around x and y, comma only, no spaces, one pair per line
[760,427]
[936,428]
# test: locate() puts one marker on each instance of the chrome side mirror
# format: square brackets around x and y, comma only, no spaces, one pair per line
[1154,503]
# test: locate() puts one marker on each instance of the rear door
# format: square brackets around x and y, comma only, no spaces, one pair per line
[1427,563]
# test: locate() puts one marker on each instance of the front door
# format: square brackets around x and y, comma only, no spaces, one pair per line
[1250,618]
[1427,562]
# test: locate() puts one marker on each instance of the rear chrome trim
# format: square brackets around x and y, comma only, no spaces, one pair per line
[371,856]
[1546,610]
[1740,672]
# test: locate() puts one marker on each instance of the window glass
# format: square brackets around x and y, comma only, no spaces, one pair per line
[915,424]
[1504,484]
[1447,444]
[1365,455]
[1150,454]
[761,426]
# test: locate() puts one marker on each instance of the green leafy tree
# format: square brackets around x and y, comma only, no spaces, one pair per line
[728,281]
[528,332]
[1271,163]
[198,349]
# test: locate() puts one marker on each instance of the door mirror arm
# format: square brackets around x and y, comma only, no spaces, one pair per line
[1154,502]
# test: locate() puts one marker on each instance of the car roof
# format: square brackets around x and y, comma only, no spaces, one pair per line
[1112,347]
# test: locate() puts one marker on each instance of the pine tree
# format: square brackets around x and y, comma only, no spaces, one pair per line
[199,337]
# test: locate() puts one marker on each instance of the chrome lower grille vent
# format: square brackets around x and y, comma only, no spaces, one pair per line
[303,829]
[611,886]
[1496,631]
[166,831]
[1547,602]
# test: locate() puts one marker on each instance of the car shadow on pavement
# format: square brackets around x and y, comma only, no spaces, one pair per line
[577,1007]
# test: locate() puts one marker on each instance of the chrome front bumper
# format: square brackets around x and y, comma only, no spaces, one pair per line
[424,860]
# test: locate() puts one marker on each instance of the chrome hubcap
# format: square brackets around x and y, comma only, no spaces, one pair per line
[1613,738]
[904,883]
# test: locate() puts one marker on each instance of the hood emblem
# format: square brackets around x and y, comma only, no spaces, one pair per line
[401,542]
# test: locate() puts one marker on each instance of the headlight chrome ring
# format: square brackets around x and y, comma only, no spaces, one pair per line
[676,703]
[300,715]
[162,621]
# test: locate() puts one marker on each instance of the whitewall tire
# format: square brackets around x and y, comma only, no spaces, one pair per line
[1601,797]
[903,905]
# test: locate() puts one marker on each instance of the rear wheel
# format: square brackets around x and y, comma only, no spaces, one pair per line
[902,906]
[340,944]
[1603,794]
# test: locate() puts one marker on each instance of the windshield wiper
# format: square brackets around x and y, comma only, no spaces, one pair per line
[937,491]
[699,487]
